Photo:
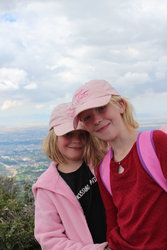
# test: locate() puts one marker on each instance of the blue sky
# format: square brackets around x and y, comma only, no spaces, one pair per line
[49,48]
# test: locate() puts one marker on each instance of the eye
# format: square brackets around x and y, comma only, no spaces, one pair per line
[85,118]
[69,135]
[101,109]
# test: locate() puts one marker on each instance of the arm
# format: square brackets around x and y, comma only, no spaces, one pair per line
[49,229]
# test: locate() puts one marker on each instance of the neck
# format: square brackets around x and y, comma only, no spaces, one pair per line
[123,144]
[69,166]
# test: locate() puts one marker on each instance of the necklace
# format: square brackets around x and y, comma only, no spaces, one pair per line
[120,168]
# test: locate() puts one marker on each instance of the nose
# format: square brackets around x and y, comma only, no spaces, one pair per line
[96,117]
[77,137]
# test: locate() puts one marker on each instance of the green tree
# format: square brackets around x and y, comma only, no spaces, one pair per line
[16,217]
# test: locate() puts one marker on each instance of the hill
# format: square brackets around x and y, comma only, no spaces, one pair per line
[21,155]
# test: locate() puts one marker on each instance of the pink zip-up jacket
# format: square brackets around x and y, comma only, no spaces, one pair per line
[59,219]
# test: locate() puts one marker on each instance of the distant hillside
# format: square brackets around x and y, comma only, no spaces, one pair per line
[21,155]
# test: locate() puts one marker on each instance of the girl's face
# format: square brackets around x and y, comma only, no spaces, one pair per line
[72,144]
[104,122]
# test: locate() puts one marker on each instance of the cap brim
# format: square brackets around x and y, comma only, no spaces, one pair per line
[63,128]
[89,105]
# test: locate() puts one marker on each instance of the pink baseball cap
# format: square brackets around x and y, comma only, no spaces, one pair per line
[95,93]
[61,119]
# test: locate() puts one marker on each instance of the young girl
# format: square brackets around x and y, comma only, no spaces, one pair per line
[69,212]
[136,211]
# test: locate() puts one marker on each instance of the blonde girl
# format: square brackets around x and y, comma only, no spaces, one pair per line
[69,212]
[136,210]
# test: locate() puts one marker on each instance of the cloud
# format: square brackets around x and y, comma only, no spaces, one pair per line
[11,79]
[10,104]
[151,103]
[30,86]
[49,48]
[134,77]
[39,106]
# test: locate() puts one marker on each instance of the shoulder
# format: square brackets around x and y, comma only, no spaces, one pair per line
[160,143]
[48,173]
[159,137]
[48,179]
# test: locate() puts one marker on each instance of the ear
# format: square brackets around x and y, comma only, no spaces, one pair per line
[122,106]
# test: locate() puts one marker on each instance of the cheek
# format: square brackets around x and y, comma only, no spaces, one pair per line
[61,142]
[89,127]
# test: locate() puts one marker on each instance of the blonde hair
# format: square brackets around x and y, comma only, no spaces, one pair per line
[94,151]
[128,115]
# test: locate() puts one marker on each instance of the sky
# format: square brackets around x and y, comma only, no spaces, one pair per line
[50,48]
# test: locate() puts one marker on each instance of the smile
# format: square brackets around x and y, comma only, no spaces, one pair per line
[103,128]
[75,147]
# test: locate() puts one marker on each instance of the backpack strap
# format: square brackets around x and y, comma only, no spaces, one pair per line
[105,170]
[149,159]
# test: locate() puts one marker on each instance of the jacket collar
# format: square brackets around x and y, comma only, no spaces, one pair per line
[51,180]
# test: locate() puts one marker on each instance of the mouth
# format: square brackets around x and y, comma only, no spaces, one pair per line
[103,128]
[75,147]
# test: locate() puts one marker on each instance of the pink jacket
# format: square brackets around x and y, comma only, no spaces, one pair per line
[59,219]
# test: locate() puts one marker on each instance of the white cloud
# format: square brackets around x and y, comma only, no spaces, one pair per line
[51,47]
[134,78]
[10,104]
[30,86]
[151,103]
[39,106]
[154,7]
[11,78]
[7,85]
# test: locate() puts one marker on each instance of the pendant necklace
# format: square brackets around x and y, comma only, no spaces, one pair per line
[120,168]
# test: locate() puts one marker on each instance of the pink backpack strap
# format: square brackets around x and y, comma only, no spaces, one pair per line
[105,170]
[149,159]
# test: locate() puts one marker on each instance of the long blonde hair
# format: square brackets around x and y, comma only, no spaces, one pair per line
[128,115]
[94,152]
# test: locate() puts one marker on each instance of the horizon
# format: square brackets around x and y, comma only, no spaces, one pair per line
[154,123]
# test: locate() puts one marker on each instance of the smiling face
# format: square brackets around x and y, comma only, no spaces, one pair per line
[104,122]
[72,144]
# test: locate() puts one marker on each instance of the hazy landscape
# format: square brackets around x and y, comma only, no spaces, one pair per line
[21,154]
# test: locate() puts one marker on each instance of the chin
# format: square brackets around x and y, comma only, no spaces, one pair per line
[76,158]
[102,137]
